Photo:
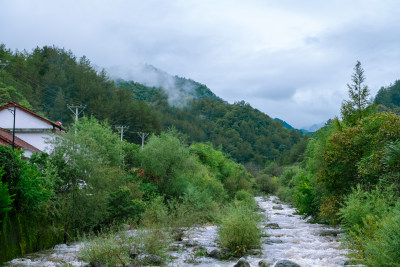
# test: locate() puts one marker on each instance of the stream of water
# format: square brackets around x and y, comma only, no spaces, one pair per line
[285,236]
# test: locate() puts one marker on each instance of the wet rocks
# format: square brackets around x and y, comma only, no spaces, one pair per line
[189,243]
[264,263]
[242,263]
[286,263]
[273,226]
[330,232]
[273,241]
[277,207]
[219,254]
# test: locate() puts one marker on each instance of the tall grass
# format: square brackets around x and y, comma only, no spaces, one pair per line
[238,231]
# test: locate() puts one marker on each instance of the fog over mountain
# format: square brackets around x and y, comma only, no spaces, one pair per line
[289,59]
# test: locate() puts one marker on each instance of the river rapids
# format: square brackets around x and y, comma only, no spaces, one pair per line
[286,236]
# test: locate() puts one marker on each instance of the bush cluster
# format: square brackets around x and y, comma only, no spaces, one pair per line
[92,180]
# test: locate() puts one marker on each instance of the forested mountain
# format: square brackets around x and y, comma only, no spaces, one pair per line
[49,78]
[388,98]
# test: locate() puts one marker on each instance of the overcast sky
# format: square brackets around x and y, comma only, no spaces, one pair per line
[288,58]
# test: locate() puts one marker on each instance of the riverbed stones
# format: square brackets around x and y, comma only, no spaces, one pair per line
[273,226]
[286,263]
[264,263]
[242,263]
[330,232]
[189,243]
[273,241]
[219,254]
[277,207]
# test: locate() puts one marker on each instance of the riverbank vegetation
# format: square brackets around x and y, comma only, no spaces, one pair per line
[350,174]
[92,180]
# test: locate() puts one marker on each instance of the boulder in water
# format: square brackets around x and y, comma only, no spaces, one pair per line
[278,207]
[286,263]
[264,263]
[273,226]
[242,263]
[219,254]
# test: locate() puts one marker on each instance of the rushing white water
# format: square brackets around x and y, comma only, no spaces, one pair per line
[285,236]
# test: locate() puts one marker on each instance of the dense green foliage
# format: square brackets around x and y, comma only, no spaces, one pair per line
[50,78]
[350,174]
[245,133]
[388,98]
[91,180]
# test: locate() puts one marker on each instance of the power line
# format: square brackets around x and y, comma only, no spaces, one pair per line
[76,111]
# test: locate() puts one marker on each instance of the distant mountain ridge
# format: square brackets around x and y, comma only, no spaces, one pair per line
[312,129]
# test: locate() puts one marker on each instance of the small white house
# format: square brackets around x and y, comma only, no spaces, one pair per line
[29,126]
[7,139]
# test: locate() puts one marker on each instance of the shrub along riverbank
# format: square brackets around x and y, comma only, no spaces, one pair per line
[350,176]
[92,181]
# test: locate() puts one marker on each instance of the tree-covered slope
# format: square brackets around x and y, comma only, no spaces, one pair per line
[49,78]
[389,97]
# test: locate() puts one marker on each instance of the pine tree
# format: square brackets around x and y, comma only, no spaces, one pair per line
[354,109]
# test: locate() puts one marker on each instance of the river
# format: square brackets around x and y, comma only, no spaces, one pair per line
[285,236]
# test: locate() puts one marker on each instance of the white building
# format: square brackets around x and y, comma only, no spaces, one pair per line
[29,126]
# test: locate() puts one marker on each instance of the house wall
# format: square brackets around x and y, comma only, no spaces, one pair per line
[38,140]
[22,120]
[29,128]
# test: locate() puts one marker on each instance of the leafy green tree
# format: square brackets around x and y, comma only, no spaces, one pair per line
[5,198]
[89,165]
[23,181]
[354,108]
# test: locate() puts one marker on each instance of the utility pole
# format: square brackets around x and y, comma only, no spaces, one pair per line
[13,144]
[143,136]
[76,112]
[12,111]
[122,130]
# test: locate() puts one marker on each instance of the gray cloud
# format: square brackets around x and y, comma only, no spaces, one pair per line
[290,59]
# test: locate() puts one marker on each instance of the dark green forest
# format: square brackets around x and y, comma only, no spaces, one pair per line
[49,78]
[388,98]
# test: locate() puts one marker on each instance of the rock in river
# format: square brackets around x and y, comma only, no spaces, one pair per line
[286,263]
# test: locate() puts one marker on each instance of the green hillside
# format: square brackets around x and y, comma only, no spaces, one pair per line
[388,98]
[49,78]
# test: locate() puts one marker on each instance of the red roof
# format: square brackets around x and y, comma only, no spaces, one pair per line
[6,138]
[11,105]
